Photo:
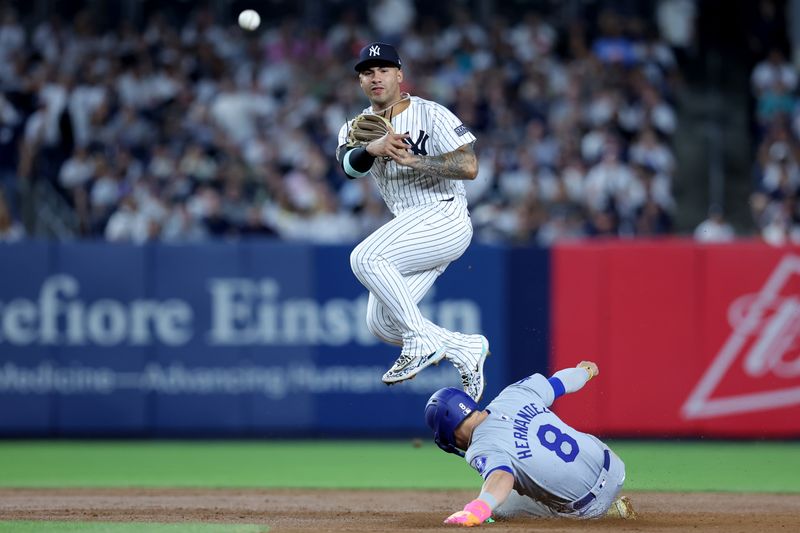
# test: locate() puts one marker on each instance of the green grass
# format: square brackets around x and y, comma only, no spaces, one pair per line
[668,466]
[711,466]
[32,526]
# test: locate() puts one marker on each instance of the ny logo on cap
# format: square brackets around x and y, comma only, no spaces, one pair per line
[374,50]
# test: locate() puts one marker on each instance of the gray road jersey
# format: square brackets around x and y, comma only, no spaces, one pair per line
[550,461]
[434,130]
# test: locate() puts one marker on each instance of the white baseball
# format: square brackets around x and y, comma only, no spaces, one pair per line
[249,19]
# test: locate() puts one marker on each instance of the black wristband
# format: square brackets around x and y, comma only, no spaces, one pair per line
[360,159]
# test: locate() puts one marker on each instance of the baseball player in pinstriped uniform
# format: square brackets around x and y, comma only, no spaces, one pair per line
[419,173]
[532,462]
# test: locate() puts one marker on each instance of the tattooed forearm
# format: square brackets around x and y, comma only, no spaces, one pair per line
[459,164]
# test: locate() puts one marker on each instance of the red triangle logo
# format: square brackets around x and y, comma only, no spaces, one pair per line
[760,355]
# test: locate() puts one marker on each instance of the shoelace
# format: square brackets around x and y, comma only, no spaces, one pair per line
[402,361]
[466,375]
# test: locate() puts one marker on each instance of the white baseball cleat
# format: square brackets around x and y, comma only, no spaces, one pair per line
[622,508]
[407,366]
[472,372]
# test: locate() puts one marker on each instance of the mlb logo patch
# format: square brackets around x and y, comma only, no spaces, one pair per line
[461,130]
[479,464]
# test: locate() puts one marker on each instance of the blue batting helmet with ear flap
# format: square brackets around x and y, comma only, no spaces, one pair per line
[444,412]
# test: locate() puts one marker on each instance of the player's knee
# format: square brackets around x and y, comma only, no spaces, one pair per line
[360,261]
[355,260]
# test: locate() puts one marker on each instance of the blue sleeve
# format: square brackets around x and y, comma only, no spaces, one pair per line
[503,468]
[558,386]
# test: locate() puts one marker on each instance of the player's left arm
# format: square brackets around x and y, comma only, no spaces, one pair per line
[452,142]
[571,380]
[562,382]
[355,162]
[460,164]
[495,490]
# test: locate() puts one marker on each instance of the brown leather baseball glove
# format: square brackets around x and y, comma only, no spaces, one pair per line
[366,128]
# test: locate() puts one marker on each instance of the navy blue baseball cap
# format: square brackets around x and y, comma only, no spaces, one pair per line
[375,54]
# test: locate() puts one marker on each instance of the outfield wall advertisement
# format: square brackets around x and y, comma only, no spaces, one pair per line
[691,340]
[221,339]
[269,338]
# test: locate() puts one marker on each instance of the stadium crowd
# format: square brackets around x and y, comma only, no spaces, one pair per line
[775,202]
[773,42]
[197,131]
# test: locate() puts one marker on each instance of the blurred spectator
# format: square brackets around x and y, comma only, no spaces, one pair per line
[652,219]
[533,38]
[11,125]
[767,26]
[650,109]
[613,46]
[127,224]
[12,34]
[780,175]
[676,21]
[652,202]
[772,71]
[74,177]
[77,170]
[774,102]
[782,227]
[10,230]
[609,180]
[181,226]
[255,226]
[391,18]
[648,150]
[714,228]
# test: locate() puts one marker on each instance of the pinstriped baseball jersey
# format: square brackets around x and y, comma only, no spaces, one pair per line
[434,130]
[552,462]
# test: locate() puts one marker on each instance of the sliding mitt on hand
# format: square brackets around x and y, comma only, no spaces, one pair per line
[475,513]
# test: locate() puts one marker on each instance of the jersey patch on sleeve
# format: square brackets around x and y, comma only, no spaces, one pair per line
[479,464]
[461,130]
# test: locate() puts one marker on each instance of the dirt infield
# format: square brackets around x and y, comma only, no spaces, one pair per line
[395,511]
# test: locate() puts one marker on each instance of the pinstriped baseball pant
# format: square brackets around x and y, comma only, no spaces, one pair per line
[399,263]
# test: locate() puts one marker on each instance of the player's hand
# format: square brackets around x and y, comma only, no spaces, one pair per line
[389,145]
[463,518]
[590,367]
[475,513]
[404,156]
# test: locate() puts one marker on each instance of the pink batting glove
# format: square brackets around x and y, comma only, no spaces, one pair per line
[475,513]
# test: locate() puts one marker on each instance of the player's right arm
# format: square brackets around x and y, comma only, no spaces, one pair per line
[494,491]
[454,158]
[460,164]
[573,379]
